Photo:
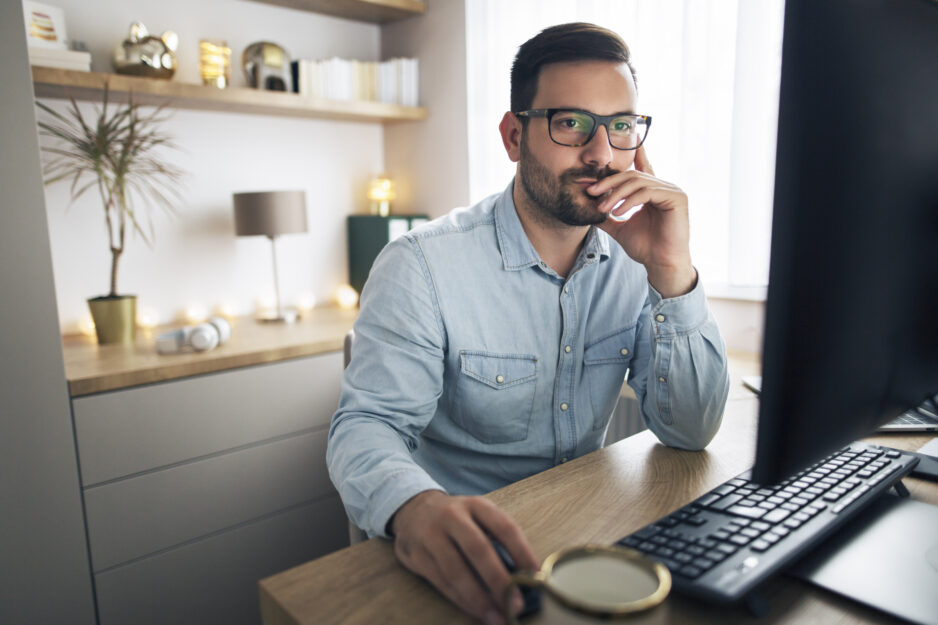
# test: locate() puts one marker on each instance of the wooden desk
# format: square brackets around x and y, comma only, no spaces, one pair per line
[597,498]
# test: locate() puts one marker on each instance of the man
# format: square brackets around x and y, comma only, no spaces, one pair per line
[492,343]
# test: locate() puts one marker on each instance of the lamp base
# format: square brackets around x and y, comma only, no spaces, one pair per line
[286,315]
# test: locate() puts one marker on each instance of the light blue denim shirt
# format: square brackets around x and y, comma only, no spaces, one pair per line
[475,365]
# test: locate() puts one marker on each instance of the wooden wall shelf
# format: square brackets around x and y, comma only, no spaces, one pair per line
[376,11]
[60,83]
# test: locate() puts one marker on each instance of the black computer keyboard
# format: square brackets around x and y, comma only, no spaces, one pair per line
[724,544]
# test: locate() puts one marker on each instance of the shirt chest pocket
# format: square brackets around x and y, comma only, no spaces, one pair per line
[494,398]
[606,362]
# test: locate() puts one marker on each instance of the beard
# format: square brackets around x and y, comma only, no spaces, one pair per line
[556,197]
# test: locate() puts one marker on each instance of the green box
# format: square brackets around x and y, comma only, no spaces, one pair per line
[367,236]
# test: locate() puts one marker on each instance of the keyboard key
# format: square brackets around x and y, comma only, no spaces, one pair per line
[751,512]
[716,555]
[727,548]
[726,502]
[760,545]
[740,539]
[689,571]
[697,520]
[647,531]
[708,499]
[703,563]
[664,552]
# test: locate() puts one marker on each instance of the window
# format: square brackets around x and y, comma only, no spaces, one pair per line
[708,72]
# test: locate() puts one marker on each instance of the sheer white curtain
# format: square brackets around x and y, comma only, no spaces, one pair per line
[708,73]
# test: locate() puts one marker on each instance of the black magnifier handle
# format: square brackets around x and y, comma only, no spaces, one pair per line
[530,594]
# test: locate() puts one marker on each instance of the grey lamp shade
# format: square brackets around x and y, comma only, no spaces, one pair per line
[270,213]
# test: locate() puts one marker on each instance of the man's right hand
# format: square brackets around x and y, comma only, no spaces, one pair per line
[448,541]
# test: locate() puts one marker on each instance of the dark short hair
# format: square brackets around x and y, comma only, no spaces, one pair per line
[577,41]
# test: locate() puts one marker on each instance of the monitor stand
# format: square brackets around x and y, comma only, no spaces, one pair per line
[887,558]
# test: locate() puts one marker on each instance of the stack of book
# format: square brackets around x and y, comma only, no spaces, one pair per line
[394,81]
[62,59]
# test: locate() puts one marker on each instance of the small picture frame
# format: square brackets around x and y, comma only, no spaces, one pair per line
[45,25]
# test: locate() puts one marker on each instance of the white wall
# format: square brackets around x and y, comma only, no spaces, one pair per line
[196,259]
[429,161]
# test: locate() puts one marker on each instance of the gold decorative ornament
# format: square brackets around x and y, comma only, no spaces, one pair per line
[142,54]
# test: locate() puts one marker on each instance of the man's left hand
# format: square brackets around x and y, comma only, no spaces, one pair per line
[657,232]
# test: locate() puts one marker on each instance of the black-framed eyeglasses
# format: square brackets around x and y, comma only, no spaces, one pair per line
[576,127]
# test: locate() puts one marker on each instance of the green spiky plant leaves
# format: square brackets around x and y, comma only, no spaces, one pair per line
[115,151]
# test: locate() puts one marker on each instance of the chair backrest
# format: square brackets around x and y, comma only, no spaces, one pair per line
[347,347]
[355,534]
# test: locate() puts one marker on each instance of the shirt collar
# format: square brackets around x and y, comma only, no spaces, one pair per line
[517,251]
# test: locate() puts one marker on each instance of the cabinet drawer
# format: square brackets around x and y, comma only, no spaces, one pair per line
[137,516]
[215,580]
[134,430]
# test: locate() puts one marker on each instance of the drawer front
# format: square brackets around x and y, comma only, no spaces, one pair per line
[134,430]
[214,580]
[141,515]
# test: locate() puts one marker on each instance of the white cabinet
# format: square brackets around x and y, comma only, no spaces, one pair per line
[196,488]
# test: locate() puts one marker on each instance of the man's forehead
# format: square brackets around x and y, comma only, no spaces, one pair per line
[586,84]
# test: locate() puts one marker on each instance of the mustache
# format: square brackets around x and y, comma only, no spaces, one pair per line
[588,172]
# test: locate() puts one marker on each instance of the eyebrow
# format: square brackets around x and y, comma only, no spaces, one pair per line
[580,108]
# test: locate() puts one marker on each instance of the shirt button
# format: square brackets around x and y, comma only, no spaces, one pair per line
[567,348]
[499,378]
[566,289]
[659,318]
[661,379]
[624,351]
[564,406]
[591,256]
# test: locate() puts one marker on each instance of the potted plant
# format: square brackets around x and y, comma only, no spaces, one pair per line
[115,152]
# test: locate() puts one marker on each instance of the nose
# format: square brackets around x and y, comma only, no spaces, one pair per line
[598,152]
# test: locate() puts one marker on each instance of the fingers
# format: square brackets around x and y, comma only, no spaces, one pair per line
[504,529]
[440,561]
[641,161]
[447,541]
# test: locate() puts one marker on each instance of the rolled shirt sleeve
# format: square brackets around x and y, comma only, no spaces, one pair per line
[680,374]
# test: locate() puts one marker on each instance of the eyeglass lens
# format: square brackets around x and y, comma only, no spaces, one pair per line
[574,128]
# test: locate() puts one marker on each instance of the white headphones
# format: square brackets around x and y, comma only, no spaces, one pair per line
[200,338]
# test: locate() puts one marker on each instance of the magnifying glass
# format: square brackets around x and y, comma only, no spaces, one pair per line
[597,580]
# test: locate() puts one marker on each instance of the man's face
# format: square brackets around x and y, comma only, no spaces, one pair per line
[555,177]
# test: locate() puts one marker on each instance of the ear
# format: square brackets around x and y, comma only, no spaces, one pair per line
[510,129]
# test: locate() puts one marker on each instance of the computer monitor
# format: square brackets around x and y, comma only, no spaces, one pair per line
[851,325]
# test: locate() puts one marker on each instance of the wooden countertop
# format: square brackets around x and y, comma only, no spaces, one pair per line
[92,368]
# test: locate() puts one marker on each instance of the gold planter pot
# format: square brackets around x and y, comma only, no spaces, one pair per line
[115,318]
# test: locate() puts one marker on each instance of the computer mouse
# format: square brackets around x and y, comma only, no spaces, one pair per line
[530,595]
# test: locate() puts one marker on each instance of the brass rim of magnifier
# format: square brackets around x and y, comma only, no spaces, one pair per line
[540,579]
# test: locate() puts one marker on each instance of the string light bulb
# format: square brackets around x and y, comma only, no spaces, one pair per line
[346,296]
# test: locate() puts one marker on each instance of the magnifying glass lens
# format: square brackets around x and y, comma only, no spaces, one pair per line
[602,581]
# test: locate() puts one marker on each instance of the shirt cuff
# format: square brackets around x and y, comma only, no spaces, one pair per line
[678,315]
[396,489]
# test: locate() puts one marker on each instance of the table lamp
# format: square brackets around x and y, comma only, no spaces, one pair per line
[271,213]
[381,193]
